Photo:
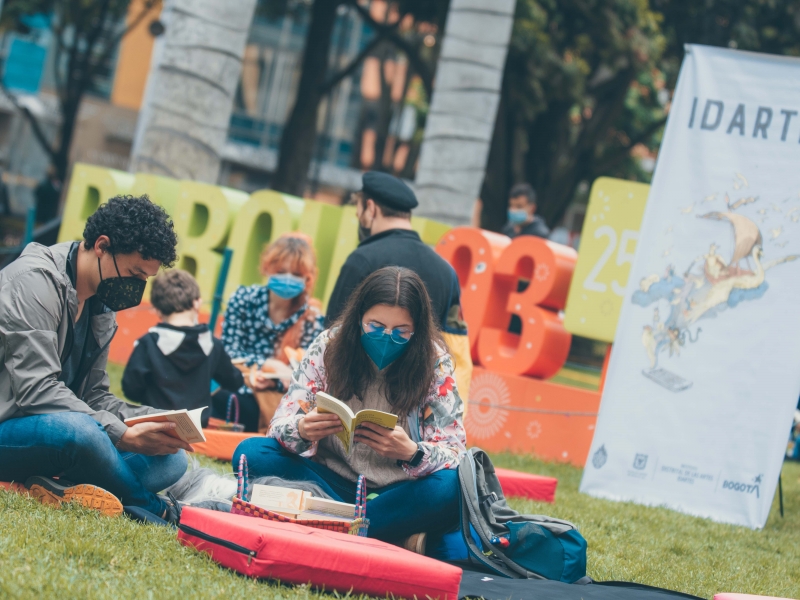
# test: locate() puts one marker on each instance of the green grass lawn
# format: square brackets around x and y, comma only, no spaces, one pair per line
[71,552]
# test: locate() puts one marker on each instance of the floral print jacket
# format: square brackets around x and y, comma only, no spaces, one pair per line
[440,432]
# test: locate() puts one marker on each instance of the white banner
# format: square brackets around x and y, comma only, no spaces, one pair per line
[705,369]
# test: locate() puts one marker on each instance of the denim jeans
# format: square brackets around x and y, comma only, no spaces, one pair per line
[76,447]
[426,504]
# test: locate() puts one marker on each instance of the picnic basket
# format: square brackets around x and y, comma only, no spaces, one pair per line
[358,526]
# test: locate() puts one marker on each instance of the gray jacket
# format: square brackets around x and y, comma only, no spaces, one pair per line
[38,304]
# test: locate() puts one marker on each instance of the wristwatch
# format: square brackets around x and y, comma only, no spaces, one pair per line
[414,460]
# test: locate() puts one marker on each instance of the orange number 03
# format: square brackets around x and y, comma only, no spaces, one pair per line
[490,268]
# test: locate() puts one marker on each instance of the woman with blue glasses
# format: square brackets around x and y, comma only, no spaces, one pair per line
[261,321]
[384,353]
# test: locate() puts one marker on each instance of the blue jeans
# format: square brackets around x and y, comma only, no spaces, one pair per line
[428,504]
[76,447]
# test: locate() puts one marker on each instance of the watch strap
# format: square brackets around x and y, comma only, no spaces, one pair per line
[414,460]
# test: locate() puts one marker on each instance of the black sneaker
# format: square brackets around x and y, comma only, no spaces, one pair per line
[172,514]
[50,491]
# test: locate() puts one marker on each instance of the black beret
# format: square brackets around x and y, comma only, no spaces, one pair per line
[388,191]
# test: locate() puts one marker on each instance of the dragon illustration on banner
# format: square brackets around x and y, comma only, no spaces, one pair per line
[711,284]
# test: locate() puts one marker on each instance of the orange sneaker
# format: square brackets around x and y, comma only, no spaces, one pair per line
[50,491]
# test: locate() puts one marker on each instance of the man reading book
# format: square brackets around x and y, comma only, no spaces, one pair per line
[57,320]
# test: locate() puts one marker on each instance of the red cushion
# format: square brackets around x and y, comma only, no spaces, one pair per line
[527,485]
[297,554]
[745,597]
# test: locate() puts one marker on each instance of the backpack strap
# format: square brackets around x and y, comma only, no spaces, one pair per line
[471,515]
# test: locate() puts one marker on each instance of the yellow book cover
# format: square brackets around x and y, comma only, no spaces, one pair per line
[328,404]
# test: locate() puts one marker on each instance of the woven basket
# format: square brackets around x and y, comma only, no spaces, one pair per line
[358,526]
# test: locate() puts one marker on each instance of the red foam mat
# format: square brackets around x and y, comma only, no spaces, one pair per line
[325,559]
[527,485]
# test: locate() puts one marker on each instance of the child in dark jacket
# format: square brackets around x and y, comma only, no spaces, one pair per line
[173,364]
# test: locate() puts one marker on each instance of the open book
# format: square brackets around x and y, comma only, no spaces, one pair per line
[328,404]
[188,426]
[301,505]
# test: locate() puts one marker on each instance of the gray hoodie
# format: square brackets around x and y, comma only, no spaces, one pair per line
[38,304]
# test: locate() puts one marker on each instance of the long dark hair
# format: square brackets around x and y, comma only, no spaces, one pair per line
[409,378]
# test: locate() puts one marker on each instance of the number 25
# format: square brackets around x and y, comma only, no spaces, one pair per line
[623,257]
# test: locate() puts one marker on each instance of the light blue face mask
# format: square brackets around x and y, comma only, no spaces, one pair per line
[286,285]
[517,216]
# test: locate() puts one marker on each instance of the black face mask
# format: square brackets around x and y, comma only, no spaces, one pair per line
[119,293]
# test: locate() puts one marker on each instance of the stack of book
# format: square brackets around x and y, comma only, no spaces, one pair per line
[300,505]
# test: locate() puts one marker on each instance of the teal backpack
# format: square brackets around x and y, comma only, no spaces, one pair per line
[511,544]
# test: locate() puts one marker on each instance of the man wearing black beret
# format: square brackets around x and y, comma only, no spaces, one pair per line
[384,207]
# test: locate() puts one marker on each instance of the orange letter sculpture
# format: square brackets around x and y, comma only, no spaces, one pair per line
[490,268]
[472,253]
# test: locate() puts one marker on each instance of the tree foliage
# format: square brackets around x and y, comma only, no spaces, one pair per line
[588,82]
[580,90]
[86,34]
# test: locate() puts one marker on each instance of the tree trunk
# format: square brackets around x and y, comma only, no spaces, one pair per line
[499,177]
[555,164]
[69,118]
[300,132]
[183,124]
[463,109]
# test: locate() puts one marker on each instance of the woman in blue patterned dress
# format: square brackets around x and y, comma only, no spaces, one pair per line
[262,320]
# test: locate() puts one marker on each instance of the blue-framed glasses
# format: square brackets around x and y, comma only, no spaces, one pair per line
[375,330]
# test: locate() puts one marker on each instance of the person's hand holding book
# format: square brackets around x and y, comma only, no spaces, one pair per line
[390,443]
[265,378]
[151,439]
[314,426]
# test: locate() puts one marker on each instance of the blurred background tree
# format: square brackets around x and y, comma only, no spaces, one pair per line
[582,88]
[586,89]
[86,35]
[395,31]
[588,83]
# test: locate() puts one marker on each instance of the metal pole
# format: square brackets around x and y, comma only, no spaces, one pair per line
[780,493]
[216,305]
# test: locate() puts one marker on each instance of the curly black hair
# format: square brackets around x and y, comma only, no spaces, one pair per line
[134,224]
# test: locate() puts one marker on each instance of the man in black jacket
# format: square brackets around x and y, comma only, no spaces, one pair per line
[384,208]
[172,366]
